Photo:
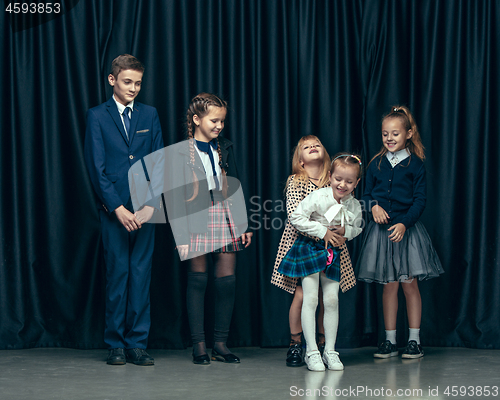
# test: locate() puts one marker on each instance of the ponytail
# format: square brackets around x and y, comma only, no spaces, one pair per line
[413,144]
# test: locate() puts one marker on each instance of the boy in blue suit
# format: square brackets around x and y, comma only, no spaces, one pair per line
[119,133]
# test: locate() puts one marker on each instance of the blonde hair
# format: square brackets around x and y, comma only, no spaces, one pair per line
[347,159]
[301,177]
[199,106]
[413,144]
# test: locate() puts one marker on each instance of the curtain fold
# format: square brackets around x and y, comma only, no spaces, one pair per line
[288,68]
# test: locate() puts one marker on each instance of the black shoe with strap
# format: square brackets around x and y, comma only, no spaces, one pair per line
[202,359]
[295,355]
[139,357]
[320,340]
[227,358]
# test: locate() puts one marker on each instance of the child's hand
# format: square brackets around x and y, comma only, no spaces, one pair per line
[246,239]
[398,231]
[144,214]
[127,219]
[330,238]
[339,230]
[183,250]
[379,215]
[338,235]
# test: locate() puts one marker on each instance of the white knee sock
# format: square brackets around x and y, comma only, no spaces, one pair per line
[310,288]
[331,303]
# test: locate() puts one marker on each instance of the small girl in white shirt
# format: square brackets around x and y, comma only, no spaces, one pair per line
[324,211]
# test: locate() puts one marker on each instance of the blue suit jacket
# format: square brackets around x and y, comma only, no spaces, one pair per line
[109,154]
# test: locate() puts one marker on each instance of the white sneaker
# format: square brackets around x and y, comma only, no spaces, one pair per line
[313,361]
[332,360]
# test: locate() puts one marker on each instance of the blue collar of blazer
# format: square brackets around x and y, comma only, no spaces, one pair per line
[224,145]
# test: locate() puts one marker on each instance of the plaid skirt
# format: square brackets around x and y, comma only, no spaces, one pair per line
[306,257]
[222,235]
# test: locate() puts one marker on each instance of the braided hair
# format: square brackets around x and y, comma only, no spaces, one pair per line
[199,106]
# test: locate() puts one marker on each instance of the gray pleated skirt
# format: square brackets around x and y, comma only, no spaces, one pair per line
[383,261]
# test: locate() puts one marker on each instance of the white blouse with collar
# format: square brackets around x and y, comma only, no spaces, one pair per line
[319,210]
[401,155]
[207,165]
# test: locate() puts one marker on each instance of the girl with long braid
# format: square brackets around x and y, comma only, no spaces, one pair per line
[209,230]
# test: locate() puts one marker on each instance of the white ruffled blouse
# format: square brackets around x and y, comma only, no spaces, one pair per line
[319,210]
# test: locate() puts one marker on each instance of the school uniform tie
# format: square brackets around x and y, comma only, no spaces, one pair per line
[205,147]
[126,120]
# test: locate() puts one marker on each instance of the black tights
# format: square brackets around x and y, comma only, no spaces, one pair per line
[224,265]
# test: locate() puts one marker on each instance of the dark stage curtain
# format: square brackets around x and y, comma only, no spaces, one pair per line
[287,68]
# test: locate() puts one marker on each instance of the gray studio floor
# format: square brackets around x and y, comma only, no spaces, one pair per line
[55,373]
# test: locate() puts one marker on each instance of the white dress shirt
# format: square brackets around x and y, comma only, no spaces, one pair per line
[319,210]
[207,164]
[121,109]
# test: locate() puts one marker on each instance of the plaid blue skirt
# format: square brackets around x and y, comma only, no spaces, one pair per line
[306,257]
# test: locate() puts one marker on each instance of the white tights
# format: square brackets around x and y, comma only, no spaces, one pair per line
[310,287]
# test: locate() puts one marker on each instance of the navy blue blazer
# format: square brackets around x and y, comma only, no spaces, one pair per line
[109,154]
[400,191]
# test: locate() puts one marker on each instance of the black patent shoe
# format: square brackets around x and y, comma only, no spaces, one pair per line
[116,357]
[227,358]
[139,357]
[321,343]
[295,356]
[203,359]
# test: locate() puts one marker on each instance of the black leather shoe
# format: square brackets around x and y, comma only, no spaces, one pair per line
[321,343]
[295,356]
[116,357]
[227,358]
[139,357]
[203,359]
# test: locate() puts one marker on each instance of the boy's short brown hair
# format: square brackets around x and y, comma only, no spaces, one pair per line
[125,61]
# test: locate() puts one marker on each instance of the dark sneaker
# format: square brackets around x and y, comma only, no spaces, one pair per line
[386,350]
[413,350]
[295,356]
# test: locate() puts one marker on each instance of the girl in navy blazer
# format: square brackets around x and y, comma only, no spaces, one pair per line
[396,246]
[204,222]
